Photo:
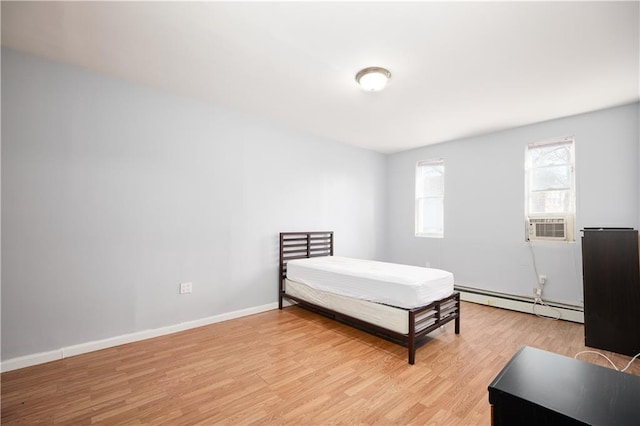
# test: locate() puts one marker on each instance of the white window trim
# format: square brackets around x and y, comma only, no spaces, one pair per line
[569,216]
[419,164]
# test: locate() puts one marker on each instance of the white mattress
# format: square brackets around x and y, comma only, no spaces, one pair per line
[384,316]
[392,284]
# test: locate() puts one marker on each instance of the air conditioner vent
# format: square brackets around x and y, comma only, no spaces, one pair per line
[554,228]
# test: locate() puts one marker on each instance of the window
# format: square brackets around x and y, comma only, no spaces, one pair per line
[430,198]
[550,202]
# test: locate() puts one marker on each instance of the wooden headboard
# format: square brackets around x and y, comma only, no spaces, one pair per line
[301,245]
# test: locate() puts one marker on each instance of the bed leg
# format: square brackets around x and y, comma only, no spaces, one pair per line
[411,342]
[457,321]
[280,301]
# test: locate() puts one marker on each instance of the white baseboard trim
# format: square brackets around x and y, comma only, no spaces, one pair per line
[523,306]
[96,345]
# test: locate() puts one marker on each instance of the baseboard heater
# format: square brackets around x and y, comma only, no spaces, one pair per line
[521,304]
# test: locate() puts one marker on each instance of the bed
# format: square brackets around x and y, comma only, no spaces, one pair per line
[380,298]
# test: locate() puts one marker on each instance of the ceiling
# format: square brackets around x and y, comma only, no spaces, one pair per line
[458,69]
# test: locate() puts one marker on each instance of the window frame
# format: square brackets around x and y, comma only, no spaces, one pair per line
[419,195]
[529,169]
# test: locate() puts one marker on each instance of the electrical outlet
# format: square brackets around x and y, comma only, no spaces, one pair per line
[537,291]
[542,279]
[186,288]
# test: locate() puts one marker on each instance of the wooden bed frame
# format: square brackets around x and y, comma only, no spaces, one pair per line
[300,245]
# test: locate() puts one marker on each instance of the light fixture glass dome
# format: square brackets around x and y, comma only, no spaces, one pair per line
[373,79]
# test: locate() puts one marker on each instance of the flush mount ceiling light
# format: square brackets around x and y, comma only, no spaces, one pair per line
[373,79]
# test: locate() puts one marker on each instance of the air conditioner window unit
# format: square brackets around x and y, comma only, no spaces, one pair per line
[548,228]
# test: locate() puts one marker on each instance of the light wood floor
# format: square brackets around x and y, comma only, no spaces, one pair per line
[289,366]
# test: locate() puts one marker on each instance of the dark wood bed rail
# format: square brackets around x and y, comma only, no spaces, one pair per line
[414,339]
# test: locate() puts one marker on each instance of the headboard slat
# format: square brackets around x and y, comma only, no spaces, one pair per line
[302,245]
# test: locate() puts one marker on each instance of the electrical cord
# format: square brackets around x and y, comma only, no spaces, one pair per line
[533,257]
[539,300]
[610,362]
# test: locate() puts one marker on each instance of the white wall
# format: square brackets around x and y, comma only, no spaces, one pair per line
[114,193]
[484,244]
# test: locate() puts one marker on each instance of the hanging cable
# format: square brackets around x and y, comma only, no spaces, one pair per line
[607,358]
[538,299]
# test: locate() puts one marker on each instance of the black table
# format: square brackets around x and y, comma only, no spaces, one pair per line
[542,388]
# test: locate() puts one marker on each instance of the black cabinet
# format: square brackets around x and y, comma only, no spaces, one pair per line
[611,272]
[542,388]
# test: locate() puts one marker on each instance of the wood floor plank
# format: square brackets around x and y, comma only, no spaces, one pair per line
[288,367]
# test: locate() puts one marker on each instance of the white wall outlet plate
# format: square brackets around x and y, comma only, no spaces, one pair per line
[186,288]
